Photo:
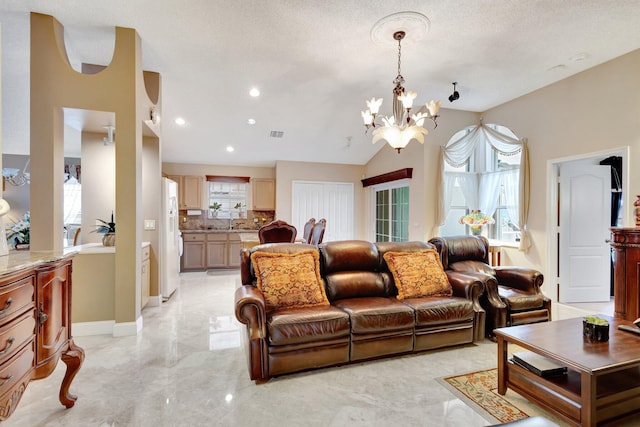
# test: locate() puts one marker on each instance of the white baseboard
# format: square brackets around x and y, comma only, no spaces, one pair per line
[104,327]
[107,327]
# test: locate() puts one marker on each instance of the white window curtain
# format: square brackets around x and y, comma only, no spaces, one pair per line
[459,149]
[489,190]
[510,193]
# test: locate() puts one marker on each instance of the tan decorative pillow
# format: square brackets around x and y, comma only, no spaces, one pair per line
[418,274]
[290,280]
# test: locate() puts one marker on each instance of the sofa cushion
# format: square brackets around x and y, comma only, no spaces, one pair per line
[418,274]
[309,324]
[289,280]
[519,300]
[440,310]
[376,314]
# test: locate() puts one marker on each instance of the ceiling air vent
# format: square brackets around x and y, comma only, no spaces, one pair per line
[276,134]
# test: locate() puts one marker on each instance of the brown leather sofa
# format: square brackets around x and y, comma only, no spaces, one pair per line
[512,294]
[364,320]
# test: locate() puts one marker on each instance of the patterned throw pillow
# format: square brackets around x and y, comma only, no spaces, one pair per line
[290,280]
[418,274]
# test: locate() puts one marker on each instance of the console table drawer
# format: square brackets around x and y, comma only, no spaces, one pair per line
[13,371]
[14,335]
[15,297]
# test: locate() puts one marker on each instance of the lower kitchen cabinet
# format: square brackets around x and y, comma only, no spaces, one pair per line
[210,250]
[193,252]
[235,246]
[216,250]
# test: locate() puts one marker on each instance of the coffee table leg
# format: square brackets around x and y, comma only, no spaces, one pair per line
[588,398]
[502,365]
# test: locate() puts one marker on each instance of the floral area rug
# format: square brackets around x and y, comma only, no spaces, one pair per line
[479,390]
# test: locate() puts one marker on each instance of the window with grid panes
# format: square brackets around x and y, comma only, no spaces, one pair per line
[392,213]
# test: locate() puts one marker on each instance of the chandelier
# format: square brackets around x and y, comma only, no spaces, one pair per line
[402,127]
[16,177]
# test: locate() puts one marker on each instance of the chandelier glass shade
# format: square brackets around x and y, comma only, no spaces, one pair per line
[403,126]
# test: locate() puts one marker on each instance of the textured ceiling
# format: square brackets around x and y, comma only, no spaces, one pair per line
[314,63]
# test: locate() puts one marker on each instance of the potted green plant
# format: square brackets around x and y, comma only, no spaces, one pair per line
[109,231]
[215,207]
[240,207]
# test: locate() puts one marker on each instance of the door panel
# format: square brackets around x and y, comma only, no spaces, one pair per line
[585,204]
[330,200]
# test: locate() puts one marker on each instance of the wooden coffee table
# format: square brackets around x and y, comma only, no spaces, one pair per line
[603,379]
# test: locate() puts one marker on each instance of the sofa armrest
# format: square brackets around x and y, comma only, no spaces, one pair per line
[521,278]
[471,287]
[251,311]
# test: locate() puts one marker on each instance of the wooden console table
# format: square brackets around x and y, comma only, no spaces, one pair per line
[626,293]
[35,324]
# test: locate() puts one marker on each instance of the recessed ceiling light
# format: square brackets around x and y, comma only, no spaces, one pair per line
[180,121]
[230,149]
[251,121]
[254,92]
[579,57]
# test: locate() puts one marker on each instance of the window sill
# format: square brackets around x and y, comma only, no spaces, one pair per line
[502,244]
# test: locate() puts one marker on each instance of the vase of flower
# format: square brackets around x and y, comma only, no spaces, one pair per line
[476,220]
[19,234]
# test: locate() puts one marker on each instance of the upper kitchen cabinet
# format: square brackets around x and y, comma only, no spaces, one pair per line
[264,194]
[189,191]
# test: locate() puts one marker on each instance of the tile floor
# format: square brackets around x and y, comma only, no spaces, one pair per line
[186,369]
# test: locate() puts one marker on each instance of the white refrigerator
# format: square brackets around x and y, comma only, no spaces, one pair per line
[169,239]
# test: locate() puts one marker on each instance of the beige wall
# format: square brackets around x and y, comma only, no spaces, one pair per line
[593,111]
[119,88]
[424,161]
[287,172]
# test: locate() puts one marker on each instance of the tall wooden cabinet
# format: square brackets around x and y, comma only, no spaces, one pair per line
[264,194]
[35,327]
[626,272]
[189,191]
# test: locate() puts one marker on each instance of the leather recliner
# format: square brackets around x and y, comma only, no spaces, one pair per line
[512,294]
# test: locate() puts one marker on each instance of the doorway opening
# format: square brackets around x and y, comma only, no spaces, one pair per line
[566,213]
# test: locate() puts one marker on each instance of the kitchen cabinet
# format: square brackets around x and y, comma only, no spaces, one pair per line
[235,246]
[217,250]
[189,191]
[210,250]
[35,324]
[264,194]
[145,281]
[193,252]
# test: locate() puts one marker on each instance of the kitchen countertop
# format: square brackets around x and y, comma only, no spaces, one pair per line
[218,230]
[17,260]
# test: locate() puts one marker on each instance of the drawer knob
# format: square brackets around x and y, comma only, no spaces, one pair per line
[7,346]
[6,306]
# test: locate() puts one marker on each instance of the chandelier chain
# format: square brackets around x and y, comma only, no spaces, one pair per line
[399,54]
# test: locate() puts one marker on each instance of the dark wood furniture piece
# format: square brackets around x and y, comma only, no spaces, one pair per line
[603,378]
[277,232]
[317,234]
[35,325]
[626,289]
[308,227]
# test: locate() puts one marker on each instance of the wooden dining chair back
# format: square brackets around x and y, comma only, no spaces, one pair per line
[317,234]
[308,228]
[277,232]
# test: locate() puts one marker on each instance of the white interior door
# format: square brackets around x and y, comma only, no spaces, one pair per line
[584,255]
[330,200]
